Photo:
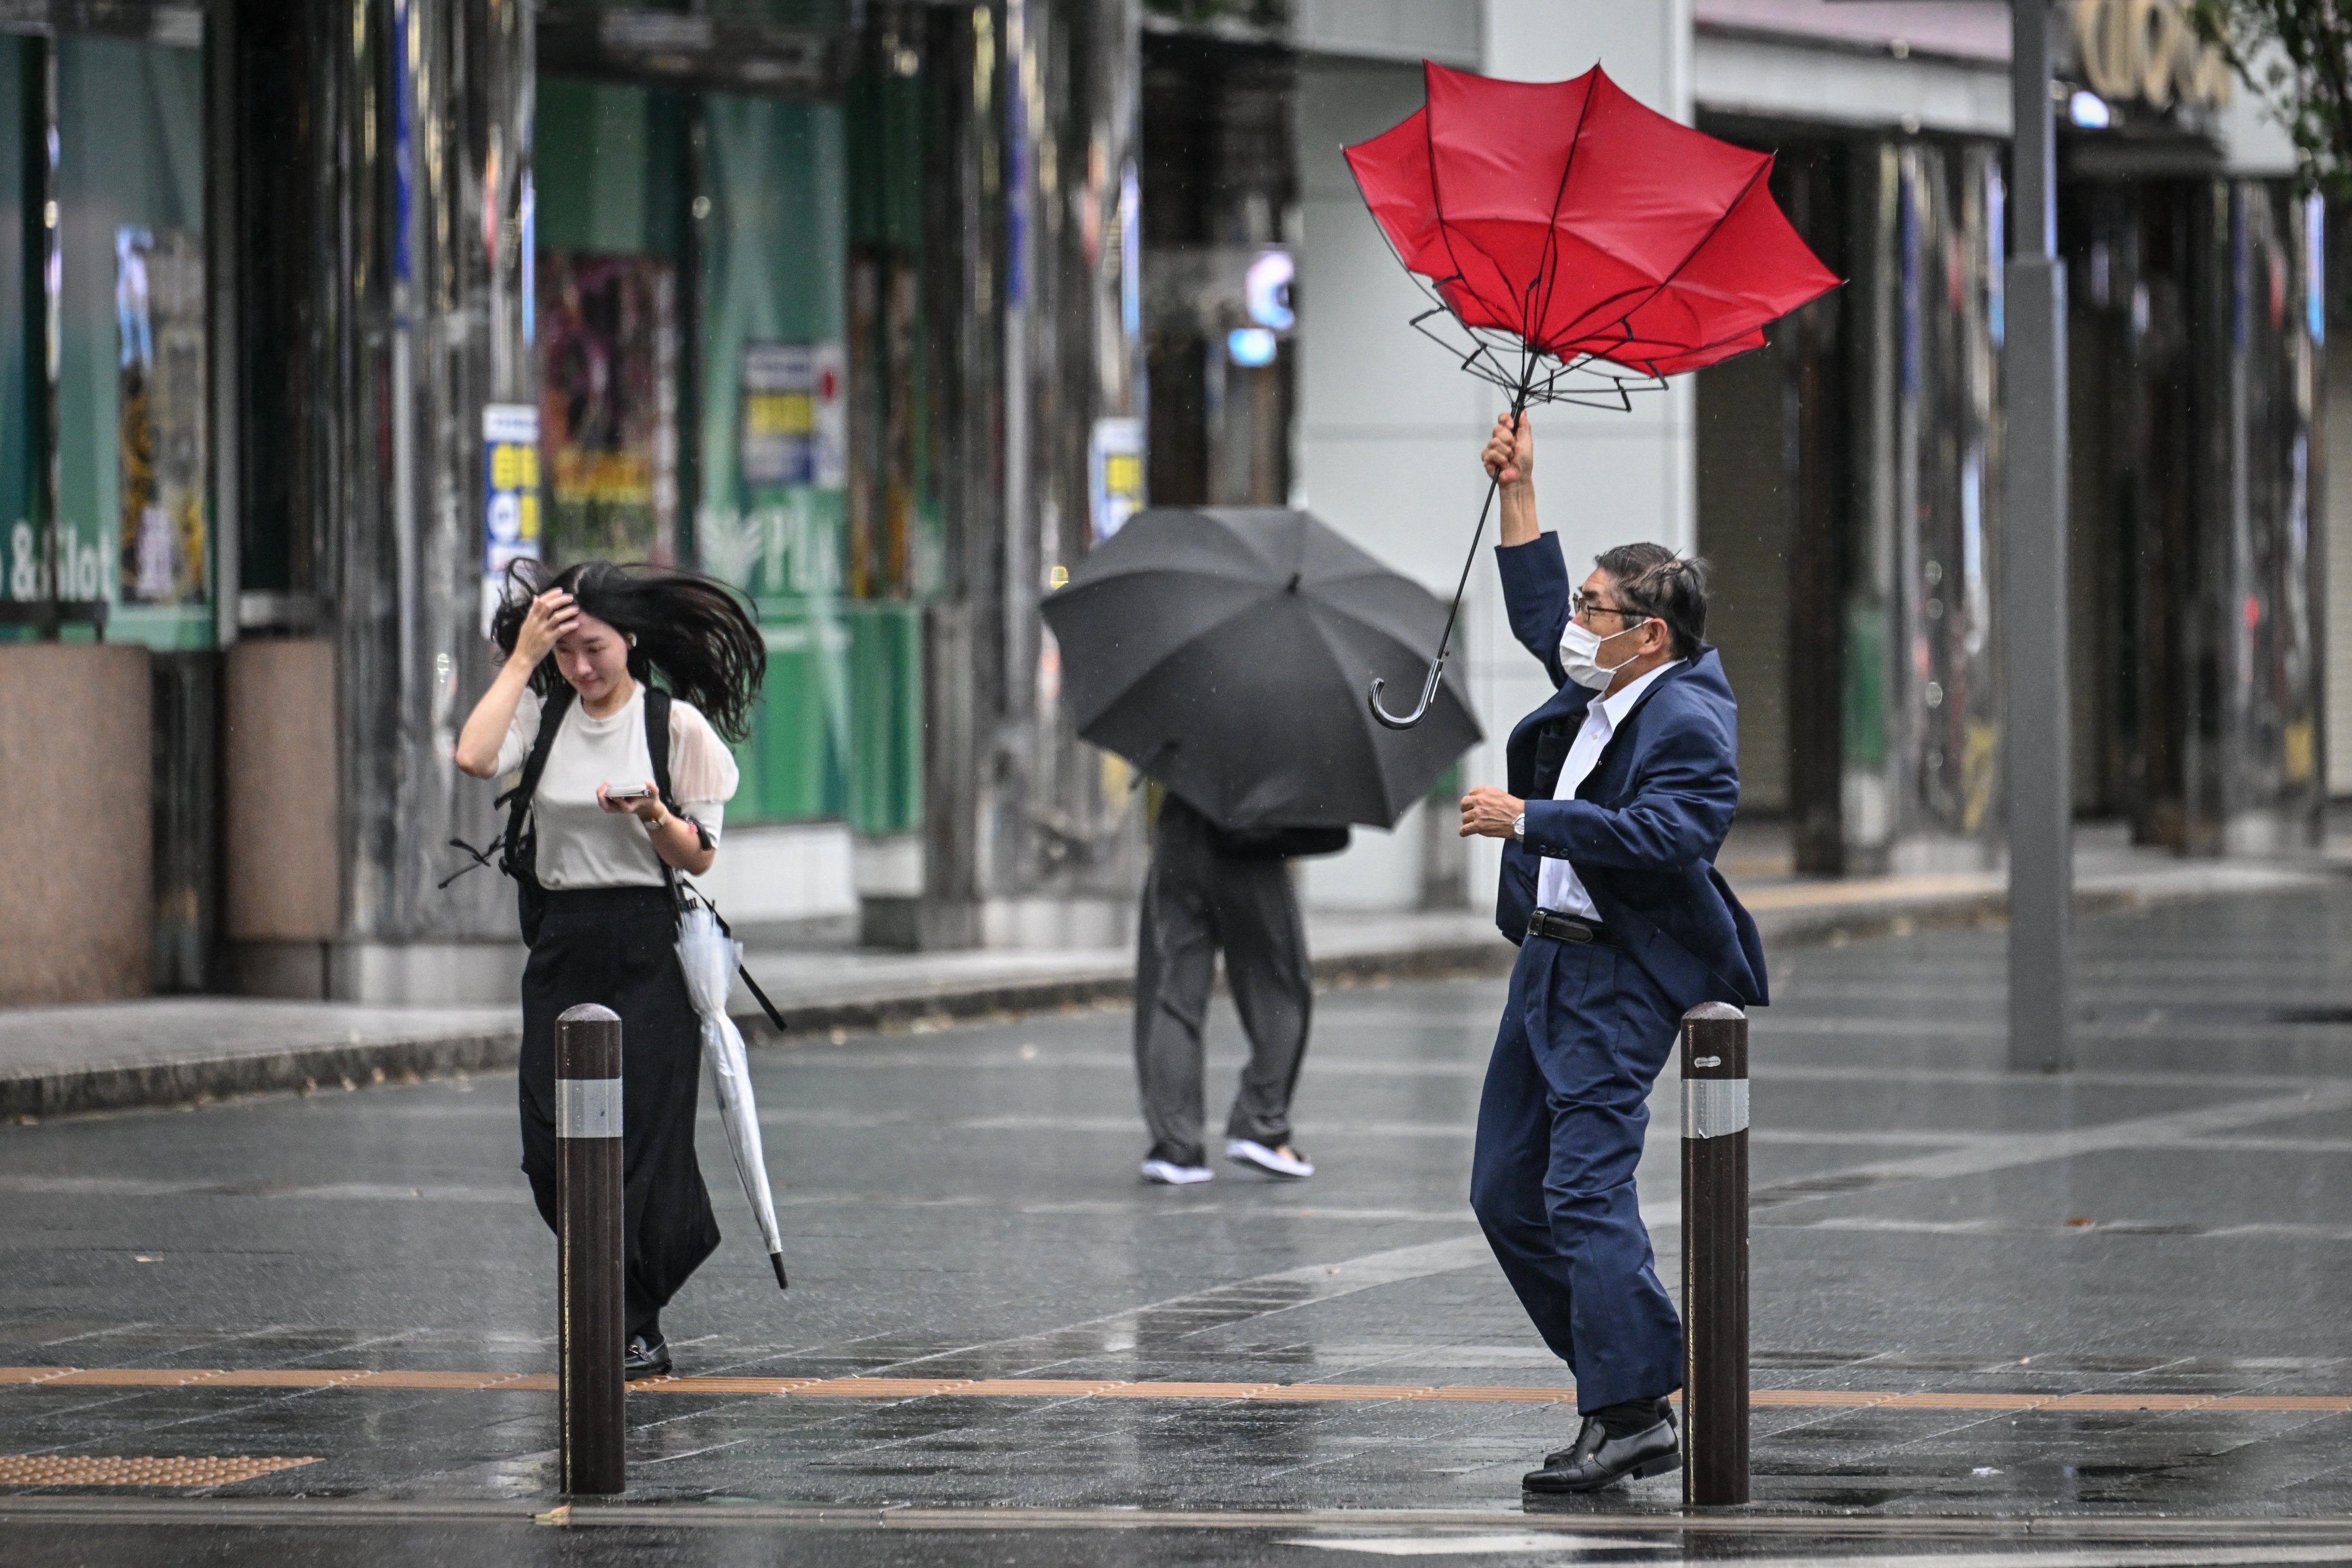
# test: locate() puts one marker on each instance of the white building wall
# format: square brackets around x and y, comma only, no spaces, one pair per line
[1389,429]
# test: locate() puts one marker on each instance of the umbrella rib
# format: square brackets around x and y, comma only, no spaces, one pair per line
[1763,170]
[1444,229]
[1548,275]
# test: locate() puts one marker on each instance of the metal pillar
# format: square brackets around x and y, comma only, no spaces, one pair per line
[1033,291]
[1715,1256]
[418,138]
[2036,743]
[588,1247]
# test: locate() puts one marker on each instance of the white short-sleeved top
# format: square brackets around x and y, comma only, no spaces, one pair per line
[581,845]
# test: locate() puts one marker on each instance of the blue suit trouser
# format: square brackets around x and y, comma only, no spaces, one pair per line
[1584,1035]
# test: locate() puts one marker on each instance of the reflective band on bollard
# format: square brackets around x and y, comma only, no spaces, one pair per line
[1715,1255]
[588,1247]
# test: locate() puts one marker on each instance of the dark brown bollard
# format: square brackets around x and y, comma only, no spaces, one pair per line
[1715,1255]
[588,1181]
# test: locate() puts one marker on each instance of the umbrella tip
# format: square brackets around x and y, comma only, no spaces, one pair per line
[777,1261]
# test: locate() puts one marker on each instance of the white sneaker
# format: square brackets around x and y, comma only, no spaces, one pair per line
[1283,1162]
[1168,1174]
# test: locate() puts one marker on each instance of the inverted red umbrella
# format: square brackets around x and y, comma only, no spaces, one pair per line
[1578,247]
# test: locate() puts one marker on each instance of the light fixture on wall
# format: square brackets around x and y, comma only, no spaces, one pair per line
[1252,347]
[1265,289]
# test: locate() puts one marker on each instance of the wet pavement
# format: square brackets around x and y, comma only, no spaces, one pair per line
[1992,1313]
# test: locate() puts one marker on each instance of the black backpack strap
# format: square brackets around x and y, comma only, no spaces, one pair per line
[657,703]
[518,799]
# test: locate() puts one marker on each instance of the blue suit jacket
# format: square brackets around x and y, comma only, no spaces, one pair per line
[1647,822]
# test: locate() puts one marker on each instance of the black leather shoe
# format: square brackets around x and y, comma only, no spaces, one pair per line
[648,1356]
[1596,1459]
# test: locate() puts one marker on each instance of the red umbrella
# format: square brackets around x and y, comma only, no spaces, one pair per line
[1579,244]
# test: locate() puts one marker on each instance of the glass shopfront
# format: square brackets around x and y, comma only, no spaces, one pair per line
[104,425]
[1849,486]
[733,374]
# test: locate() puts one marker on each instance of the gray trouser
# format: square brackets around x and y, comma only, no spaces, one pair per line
[1195,901]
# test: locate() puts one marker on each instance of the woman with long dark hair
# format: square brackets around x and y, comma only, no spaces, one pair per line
[596,844]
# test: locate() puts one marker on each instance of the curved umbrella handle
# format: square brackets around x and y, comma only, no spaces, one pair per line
[1420,710]
[1453,611]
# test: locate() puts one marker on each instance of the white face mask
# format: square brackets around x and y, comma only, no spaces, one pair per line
[1580,656]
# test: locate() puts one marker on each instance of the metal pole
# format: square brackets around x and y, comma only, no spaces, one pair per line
[2036,745]
[1715,1256]
[588,1183]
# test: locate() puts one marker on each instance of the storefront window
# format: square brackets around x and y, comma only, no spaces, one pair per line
[133,520]
[610,219]
[733,374]
[774,455]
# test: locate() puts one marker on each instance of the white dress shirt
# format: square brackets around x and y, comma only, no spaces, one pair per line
[1558,888]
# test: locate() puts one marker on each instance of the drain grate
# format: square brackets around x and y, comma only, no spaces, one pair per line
[167,1470]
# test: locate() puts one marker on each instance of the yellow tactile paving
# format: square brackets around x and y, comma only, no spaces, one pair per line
[722,1385]
[883,1387]
[454,1380]
[137,1376]
[1069,1388]
[162,1470]
[1188,1390]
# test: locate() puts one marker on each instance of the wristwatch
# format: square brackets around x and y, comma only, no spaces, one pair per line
[1519,828]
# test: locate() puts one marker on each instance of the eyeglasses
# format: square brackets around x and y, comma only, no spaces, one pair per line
[1577,605]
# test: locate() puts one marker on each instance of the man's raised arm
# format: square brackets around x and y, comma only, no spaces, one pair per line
[1535,573]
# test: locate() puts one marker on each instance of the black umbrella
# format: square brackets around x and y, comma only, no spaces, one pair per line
[1224,653]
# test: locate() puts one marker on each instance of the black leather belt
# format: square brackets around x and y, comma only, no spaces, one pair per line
[1570,927]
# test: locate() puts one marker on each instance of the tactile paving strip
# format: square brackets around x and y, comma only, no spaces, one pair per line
[162,1470]
[1060,1388]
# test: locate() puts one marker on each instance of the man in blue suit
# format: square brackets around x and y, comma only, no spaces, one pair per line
[1620,789]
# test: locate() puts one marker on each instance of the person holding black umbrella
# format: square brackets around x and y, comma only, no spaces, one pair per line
[1222,650]
[1210,888]
[1620,789]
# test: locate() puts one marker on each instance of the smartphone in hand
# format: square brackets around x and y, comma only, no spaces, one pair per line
[628,795]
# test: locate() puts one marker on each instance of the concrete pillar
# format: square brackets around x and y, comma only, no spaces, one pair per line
[77,891]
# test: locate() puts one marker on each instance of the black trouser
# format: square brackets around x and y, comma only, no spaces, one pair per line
[1196,901]
[618,946]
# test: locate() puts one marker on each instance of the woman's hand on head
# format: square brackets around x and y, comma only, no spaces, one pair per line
[1510,454]
[550,615]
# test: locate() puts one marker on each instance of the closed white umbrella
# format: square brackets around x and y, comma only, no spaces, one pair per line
[710,959]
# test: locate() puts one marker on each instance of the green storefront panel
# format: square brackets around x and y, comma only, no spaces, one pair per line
[886,670]
[796,764]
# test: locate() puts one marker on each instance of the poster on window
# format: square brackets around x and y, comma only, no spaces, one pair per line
[795,424]
[510,510]
[158,312]
[608,406]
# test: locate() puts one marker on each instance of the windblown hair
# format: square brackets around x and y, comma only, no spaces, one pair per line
[690,630]
[1652,580]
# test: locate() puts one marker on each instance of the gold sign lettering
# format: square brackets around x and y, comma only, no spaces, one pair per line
[2144,51]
